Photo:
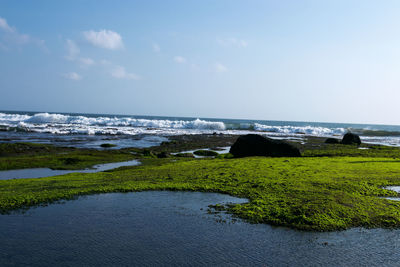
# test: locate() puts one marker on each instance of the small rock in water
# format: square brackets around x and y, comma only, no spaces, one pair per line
[332,141]
[184,155]
[108,145]
[163,155]
[351,139]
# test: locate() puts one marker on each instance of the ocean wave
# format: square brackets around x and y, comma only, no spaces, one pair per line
[117,125]
[308,130]
[65,120]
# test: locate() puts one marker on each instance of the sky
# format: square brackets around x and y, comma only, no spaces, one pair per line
[324,61]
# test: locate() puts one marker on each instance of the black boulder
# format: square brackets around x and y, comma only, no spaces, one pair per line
[332,141]
[257,145]
[351,139]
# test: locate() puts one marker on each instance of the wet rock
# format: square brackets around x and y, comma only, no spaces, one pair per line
[70,161]
[166,143]
[163,155]
[351,139]
[257,145]
[205,153]
[148,153]
[106,145]
[185,155]
[332,141]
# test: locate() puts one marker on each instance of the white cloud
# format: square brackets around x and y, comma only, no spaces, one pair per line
[86,61]
[4,25]
[73,76]
[220,67]
[232,42]
[156,48]
[19,39]
[72,50]
[119,72]
[12,37]
[104,39]
[179,59]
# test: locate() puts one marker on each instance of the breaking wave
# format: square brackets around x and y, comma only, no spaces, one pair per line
[129,125]
[307,130]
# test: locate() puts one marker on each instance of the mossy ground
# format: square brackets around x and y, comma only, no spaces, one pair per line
[308,193]
[28,155]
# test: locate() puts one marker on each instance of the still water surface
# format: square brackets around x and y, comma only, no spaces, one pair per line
[46,172]
[173,228]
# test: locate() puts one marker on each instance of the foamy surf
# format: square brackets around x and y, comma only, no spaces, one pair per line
[91,125]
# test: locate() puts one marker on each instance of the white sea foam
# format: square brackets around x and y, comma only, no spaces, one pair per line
[308,130]
[66,124]
[62,124]
[46,118]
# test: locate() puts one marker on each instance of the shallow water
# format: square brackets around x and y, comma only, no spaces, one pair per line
[84,141]
[393,188]
[45,172]
[173,228]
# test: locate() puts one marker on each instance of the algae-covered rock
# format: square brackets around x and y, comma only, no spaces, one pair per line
[257,145]
[351,139]
[163,155]
[185,155]
[148,153]
[205,153]
[332,141]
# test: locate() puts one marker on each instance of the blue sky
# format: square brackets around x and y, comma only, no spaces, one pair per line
[333,61]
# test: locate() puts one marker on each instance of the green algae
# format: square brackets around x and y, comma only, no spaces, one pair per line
[28,155]
[340,150]
[332,187]
[309,193]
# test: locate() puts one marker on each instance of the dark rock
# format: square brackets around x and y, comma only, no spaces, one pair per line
[205,153]
[332,141]
[351,139]
[107,145]
[166,143]
[163,155]
[184,155]
[148,153]
[70,161]
[257,145]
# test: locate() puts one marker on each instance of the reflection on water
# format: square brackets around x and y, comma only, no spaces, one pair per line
[45,172]
[173,228]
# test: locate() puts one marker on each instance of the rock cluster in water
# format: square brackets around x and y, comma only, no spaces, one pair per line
[348,139]
[257,145]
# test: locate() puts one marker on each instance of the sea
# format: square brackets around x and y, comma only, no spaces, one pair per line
[91,130]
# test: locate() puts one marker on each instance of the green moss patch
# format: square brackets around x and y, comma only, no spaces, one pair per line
[27,155]
[312,193]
